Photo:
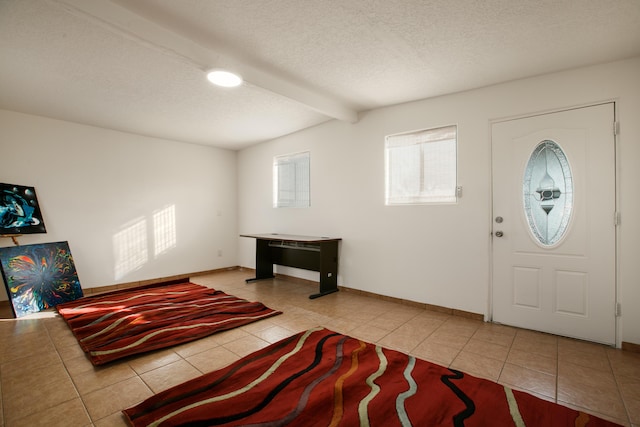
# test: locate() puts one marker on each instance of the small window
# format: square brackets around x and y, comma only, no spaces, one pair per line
[420,167]
[291,181]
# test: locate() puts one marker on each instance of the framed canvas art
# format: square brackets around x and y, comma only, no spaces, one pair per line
[39,276]
[19,210]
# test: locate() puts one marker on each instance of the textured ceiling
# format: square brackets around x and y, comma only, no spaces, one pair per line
[138,65]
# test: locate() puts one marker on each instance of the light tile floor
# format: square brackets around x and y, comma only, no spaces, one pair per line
[45,379]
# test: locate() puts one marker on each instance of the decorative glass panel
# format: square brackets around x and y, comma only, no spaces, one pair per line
[548,193]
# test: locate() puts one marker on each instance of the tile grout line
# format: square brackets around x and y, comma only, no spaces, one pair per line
[506,358]
[84,407]
[615,378]
[504,362]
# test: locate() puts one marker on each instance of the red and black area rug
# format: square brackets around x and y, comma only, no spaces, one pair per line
[122,323]
[323,378]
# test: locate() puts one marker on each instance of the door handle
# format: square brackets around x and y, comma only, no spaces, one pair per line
[499,234]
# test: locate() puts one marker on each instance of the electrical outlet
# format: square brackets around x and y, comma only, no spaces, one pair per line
[219,252]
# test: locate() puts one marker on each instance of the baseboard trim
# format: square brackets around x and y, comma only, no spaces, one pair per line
[430,307]
[410,303]
[631,347]
[169,279]
[180,277]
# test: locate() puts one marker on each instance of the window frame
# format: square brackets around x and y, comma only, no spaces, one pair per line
[300,186]
[422,196]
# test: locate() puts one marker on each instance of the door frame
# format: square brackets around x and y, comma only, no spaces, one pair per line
[615,131]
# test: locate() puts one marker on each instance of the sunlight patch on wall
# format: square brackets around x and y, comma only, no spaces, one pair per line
[130,247]
[164,230]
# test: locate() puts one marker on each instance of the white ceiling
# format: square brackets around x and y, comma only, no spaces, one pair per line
[138,65]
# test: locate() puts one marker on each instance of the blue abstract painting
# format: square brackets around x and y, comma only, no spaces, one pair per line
[39,276]
[19,210]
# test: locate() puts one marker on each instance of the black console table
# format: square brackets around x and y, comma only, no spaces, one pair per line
[306,252]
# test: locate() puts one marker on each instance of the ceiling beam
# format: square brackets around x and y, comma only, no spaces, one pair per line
[136,27]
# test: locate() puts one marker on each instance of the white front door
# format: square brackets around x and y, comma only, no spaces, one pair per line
[554,223]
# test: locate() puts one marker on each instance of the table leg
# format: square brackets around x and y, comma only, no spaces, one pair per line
[328,269]
[264,262]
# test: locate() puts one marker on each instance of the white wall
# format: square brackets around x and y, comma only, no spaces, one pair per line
[436,254]
[96,186]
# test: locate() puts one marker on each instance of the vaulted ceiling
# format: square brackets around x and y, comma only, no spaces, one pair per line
[139,65]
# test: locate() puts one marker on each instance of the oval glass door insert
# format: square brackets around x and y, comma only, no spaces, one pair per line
[548,193]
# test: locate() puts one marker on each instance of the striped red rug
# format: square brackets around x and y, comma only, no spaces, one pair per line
[322,378]
[121,323]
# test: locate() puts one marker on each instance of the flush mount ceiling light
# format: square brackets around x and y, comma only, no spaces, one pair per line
[224,78]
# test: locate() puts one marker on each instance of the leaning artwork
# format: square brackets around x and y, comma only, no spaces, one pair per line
[39,276]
